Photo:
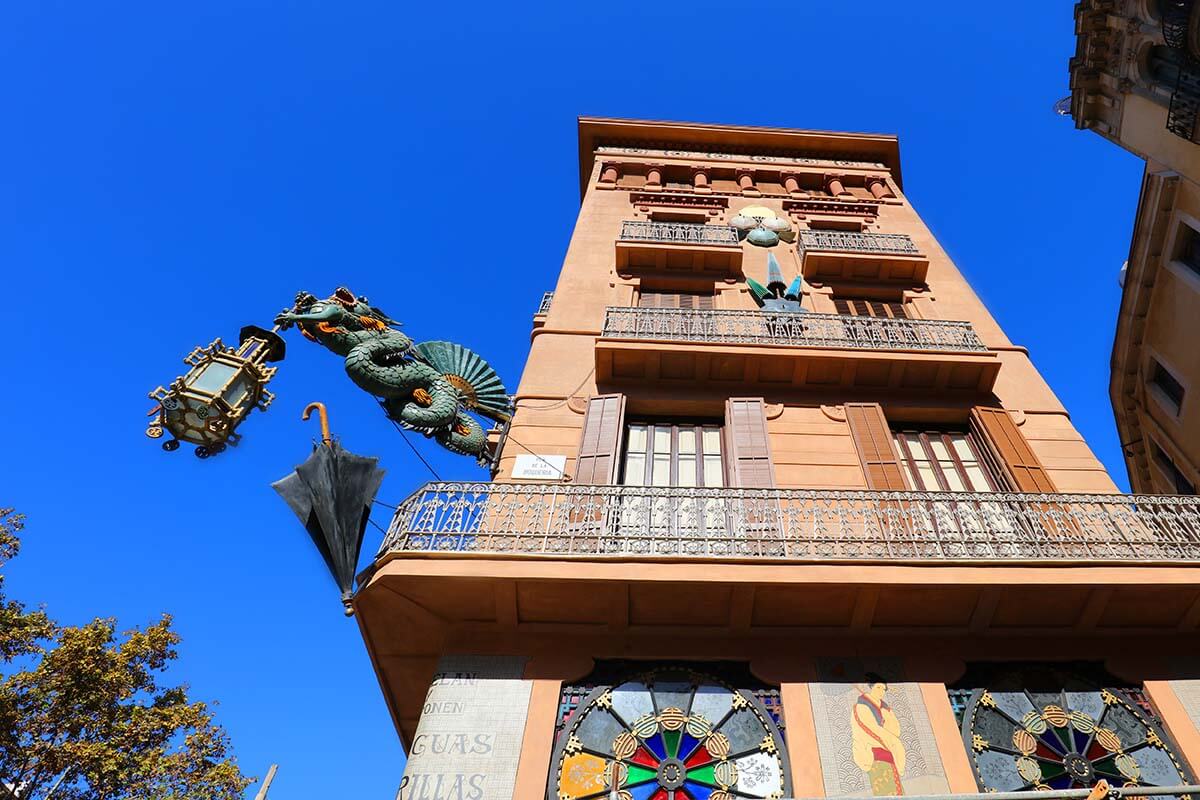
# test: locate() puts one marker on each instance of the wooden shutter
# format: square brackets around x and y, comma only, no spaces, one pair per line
[748,444]
[870,308]
[997,430]
[650,299]
[873,440]
[600,444]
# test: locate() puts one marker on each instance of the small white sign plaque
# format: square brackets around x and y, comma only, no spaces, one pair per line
[539,468]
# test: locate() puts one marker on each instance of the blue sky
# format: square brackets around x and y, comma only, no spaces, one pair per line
[172,172]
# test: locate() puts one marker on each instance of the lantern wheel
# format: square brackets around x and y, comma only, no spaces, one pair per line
[202,452]
[171,446]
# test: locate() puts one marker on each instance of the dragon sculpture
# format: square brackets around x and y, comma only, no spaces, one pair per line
[428,387]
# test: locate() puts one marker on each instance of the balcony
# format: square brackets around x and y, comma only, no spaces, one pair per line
[797,330]
[725,572]
[795,525]
[1185,102]
[797,349]
[678,246]
[834,255]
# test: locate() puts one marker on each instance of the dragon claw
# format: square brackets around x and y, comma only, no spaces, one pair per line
[422,397]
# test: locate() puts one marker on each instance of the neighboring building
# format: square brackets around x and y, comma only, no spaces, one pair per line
[781,512]
[1135,80]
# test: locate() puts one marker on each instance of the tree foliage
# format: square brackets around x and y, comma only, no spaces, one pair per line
[84,714]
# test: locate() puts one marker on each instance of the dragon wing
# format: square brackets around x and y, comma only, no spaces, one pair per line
[479,384]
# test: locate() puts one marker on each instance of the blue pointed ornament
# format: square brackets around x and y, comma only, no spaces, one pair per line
[774,275]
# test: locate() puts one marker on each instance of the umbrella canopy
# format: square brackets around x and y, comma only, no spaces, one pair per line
[331,494]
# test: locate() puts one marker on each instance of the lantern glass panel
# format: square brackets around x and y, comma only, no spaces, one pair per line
[238,391]
[215,375]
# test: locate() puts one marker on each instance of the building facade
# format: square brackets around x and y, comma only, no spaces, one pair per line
[1135,80]
[781,512]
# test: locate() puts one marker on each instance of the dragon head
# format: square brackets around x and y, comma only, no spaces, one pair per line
[339,315]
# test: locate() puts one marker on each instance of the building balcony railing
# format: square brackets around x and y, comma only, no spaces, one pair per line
[794,525]
[803,329]
[853,255]
[678,233]
[1176,17]
[678,246]
[855,242]
[544,306]
[1184,109]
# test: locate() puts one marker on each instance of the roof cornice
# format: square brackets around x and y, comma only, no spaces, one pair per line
[599,131]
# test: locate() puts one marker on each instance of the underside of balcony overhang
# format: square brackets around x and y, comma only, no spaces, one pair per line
[413,608]
[720,261]
[774,367]
[821,266]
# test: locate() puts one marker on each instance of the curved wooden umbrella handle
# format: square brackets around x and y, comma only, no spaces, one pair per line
[323,414]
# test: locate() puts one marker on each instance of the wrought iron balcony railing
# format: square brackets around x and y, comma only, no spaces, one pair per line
[1185,101]
[802,329]
[795,525]
[678,233]
[1176,16]
[544,306]
[856,242]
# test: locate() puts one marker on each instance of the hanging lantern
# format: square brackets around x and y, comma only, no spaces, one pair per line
[205,406]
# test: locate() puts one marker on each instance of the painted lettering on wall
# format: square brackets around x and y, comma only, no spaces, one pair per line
[443,707]
[451,743]
[468,741]
[442,786]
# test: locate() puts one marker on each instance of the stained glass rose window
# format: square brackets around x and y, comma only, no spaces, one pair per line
[1044,740]
[669,734]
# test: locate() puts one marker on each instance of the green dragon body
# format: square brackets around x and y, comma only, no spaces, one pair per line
[386,363]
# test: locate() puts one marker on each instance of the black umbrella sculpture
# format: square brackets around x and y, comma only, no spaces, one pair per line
[331,493]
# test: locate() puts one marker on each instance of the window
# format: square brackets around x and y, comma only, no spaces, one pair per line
[1162,65]
[1189,248]
[670,732]
[1168,386]
[655,299]
[1179,484]
[945,461]
[664,454]
[835,224]
[870,308]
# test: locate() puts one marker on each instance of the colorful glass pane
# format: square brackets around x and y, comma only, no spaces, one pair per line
[755,778]
[583,774]
[638,774]
[687,745]
[644,791]
[700,756]
[631,701]
[670,734]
